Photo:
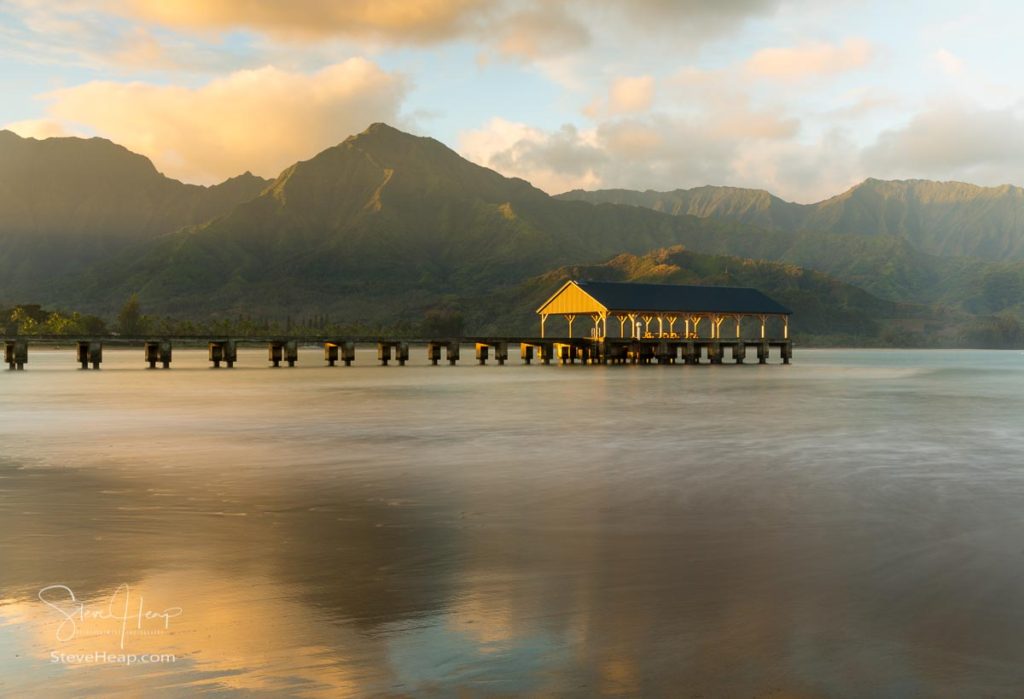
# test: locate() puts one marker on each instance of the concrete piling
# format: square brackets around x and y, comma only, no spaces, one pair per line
[339,350]
[16,354]
[739,352]
[223,351]
[158,351]
[483,351]
[283,351]
[89,352]
[388,348]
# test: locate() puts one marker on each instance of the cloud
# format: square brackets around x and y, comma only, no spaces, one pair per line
[39,128]
[538,33]
[558,161]
[952,141]
[416,21]
[658,151]
[692,18]
[629,95]
[260,120]
[949,62]
[809,60]
[82,33]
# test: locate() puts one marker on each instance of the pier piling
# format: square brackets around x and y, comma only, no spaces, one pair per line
[283,351]
[16,354]
[739,352]
[90,352]
[335,350]
[223,351]
[158,351]
[388,348]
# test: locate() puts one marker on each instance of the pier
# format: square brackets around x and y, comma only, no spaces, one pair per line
[565,351]
[657,324]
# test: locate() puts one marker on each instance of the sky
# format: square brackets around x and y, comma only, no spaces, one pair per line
[800,97]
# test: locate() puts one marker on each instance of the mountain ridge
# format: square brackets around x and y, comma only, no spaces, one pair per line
[386,227]
[951,219]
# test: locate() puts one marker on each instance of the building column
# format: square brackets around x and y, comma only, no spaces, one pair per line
[543,319]
[570,317]
[696,323]
[785,327]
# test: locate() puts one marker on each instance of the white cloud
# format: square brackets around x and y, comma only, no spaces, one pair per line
[260,120]
[952,141]
[558,161]
[658,151]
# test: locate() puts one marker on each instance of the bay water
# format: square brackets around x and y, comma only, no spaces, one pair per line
[850,525]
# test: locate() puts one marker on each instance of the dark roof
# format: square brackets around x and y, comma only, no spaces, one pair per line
[619,296]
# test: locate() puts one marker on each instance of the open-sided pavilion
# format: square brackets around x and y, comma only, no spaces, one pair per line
[661,311]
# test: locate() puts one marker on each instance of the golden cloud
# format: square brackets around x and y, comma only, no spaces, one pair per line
[415,20]
[260,120]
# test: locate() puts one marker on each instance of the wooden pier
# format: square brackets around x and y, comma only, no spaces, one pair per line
[564,350]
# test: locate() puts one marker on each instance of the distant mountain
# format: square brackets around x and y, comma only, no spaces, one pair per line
[387,227]
[754,207]
[65,202]
[940,218]
[384,224]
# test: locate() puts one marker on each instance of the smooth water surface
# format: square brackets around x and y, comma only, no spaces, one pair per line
[851,525]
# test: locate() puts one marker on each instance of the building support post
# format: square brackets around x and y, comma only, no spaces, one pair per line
[647,324]
[696,323]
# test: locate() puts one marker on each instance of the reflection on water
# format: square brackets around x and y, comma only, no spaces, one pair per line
[847,526]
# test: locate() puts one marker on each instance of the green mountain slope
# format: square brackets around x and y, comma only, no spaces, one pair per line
[65,202]
[386,227]
[384,223]
[940,218]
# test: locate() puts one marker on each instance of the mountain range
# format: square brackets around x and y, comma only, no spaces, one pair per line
[940,218]
[386,227]
[68,202]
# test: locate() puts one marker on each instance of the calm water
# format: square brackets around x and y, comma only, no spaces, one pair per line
[851,525]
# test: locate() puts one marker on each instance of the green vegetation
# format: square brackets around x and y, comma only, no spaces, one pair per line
[32,319]
[388,233]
